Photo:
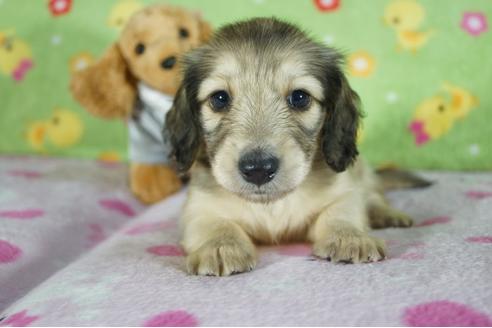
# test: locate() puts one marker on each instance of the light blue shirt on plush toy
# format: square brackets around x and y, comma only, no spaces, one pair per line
[145,127]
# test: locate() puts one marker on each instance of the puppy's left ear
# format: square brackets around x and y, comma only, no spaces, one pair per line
[339,134]
[182,129]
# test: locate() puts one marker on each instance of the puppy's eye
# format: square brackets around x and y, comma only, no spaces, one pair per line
[396,20]
[139,48]
[183,33]
[441,108]
[220,100]
[299,99]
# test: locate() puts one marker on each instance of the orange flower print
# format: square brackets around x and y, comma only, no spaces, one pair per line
[327,5]
[59,7]
[361,64]
[80,61]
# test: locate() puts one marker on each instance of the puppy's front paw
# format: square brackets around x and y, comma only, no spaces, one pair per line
[222,257]
[349,245]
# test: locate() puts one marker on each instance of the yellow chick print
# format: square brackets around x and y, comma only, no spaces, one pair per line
[109,156]
[121,12]
[406,18]
[435,116]
[15,56]
[62,130]
[462,101]
[35,135]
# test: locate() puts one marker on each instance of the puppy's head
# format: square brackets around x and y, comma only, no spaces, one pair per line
[262,100]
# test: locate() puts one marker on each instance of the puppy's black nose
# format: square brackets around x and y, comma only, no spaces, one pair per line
[168,63]
[258,167]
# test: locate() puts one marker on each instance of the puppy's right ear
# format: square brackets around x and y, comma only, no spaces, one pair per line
[182,128]
[106,88]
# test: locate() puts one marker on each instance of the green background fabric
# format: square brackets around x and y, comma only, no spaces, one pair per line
[395,84]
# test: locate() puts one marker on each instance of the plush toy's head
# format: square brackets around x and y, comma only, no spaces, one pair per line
[153,41]
[149,50]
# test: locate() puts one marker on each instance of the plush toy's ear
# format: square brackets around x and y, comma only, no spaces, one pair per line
[106,88]
[205,31]
[339,134]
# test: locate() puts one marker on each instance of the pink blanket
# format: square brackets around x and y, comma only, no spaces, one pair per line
[53,213]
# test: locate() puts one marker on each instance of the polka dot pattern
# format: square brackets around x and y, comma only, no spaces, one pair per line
[165,250]
[9,252]
[149,227]
[303,250]
[177,318]
[444,313]
[480,239]
[117,205]
[477,194]
[19,319]
[22,214]
[433,221]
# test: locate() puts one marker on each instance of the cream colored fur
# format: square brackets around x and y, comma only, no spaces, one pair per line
[220,228]
[306,200]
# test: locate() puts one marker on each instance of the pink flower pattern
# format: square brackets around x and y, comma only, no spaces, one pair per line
[474,23]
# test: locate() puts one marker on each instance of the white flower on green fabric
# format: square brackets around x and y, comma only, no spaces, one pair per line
[56,40]
[391,97]
[474,149]
[328,39]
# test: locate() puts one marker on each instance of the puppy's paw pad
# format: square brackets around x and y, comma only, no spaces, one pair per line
[350,246]
[226,259]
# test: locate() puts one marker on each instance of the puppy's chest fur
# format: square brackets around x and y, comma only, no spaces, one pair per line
[286,219]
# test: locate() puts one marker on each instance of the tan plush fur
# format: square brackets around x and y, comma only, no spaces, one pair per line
[320,193]
[108,90]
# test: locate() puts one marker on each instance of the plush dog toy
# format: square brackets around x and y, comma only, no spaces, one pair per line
[136,80]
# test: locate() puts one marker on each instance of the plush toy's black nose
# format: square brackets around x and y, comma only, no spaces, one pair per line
[168,63]
[258,167]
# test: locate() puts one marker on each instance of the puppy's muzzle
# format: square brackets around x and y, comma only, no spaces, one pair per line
[258,167]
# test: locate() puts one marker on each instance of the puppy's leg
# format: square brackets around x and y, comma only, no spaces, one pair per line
[339,233]
[217,247]
[382,215]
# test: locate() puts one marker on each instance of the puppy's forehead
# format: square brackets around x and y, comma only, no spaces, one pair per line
[271,70]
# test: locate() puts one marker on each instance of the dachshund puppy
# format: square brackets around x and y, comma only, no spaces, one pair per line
[267,122]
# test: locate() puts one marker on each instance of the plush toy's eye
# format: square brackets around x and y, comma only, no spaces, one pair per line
[220,100]
[183,33]
[396,20]
[440,108]
[299,99]
[139,48]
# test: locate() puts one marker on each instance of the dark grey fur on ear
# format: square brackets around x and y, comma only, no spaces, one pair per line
[339,134]
[182,130]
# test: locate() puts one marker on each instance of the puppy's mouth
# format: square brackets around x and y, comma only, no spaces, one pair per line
[261,195]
